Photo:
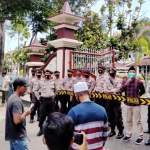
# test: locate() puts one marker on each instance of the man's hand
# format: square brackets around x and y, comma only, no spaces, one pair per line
[5,86]
[84,145]
[128,81]
[71,98]
[27,112]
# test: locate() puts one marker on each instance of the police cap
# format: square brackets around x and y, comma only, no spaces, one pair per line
[48,71]
[56,72]
[79,70]
[113,69]
[33,71]
[87,71]
[101,67]
[70,70]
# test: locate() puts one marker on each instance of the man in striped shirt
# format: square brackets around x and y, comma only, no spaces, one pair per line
[89,118]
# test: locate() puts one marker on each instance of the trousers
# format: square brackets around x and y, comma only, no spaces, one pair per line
[5,96]
[46,108]
[134,111]
[21,144]
[57,99]
[115,115]
[36,106]
[65,104]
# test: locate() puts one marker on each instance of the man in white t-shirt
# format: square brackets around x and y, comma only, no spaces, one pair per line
[5,87]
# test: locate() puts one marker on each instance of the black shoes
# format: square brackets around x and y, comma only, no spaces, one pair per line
[40,133]
[147,131]
[147,143]
[120,136]
[139,141]
[125,139]
[31,120]
[111,134]
[38,118]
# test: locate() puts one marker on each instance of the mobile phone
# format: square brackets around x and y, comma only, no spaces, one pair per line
[31,106]
[78,138]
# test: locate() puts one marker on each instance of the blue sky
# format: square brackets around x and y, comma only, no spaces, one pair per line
[11,44]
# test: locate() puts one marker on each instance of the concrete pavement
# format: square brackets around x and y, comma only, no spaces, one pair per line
[111,144]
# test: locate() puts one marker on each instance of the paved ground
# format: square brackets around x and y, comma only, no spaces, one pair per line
[111,144]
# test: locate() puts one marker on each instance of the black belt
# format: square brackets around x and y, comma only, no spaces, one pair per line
[47,97]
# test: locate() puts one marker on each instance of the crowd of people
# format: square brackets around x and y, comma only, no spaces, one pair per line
[78,113]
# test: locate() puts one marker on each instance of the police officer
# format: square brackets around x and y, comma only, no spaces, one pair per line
[67,84]
[47,87]
[31,78]
[58,83]
[111,86]
[89,80]
[35,96]
[99,87]
[77,79]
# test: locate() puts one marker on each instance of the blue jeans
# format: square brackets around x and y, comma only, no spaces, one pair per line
[21,144]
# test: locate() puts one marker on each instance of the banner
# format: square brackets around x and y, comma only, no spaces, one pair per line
[138,101]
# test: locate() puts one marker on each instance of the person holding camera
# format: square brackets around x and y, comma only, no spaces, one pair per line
[58,133]
[90,118]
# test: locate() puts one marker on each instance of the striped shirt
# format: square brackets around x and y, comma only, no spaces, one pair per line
[91,119]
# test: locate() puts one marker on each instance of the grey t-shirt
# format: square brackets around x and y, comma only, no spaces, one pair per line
[12,131]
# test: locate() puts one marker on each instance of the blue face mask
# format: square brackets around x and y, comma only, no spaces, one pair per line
[131,75]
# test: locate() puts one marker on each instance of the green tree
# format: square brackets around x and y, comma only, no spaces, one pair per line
[34,12]
[92,32]
[120,15]
[20,28]
[21,58]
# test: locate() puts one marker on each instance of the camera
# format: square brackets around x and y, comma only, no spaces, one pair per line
[78,138]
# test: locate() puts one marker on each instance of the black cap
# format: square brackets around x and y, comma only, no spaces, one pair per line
[48,71]
[102,67]
[113,69]
[70,70]
[80,70]
[4,72]
[132,68]
[33,71]
[38,71]
[56,72]
[20,82]
[87,71]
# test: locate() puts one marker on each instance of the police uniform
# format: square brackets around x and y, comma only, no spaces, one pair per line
[77,79]
[89,80]
[58,83]
[99,86]
[67,84]
[47,87]
[114,106]
[35,96]
[31,78]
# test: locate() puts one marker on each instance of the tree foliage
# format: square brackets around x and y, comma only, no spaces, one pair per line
[34,12]
[92,32]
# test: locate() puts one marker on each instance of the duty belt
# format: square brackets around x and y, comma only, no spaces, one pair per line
[137,101]
[47,97]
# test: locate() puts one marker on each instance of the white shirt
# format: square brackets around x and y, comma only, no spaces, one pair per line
[5,81]
[148,89]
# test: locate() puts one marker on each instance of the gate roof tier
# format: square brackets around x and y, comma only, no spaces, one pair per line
[35,53]
[34,64]
[35,45]
[66,25]
[66,16]
[64,42]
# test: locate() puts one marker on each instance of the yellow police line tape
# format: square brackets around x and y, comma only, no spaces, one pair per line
[140,101]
